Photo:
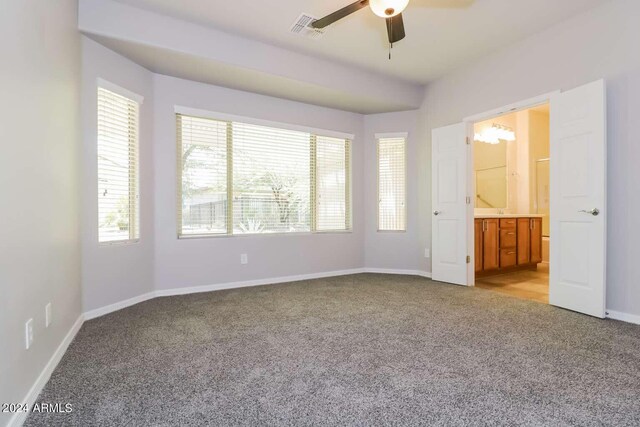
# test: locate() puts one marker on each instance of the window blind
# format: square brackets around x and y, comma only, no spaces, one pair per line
[238,178]
[118,218]
[391,184]
[332,177]
[202,186]
[271,179]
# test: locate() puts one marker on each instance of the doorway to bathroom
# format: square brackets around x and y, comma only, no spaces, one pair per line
[577,200]
[511,158]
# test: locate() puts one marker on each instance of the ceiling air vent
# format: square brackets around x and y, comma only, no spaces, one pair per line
[302,27]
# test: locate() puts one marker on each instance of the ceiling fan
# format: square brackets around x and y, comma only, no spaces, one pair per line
[391,10]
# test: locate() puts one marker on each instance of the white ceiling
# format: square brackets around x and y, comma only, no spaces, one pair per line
[439,39]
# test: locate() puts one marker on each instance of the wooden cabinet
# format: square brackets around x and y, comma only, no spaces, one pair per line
[508,240]
[491,245]
[504,244]
[524,241]
[478,242]
[536,240]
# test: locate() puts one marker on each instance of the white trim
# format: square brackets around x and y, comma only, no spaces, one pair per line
[257,282]
[285,279]
[112,87]
[420,273]
[623,317]
[32,395]
[404,135]
[259,122]
[92,314]
[511,108]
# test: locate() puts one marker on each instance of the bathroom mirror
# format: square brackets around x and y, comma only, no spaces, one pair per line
[490,167]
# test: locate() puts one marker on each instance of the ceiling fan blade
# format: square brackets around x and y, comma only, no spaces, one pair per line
[339,14]
[395,28]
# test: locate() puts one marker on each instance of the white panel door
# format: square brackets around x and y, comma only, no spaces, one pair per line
[449,217]
[578,200]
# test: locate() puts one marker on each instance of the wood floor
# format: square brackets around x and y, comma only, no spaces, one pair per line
[530,285]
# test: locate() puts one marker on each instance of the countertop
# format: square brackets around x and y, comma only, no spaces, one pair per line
[484,216]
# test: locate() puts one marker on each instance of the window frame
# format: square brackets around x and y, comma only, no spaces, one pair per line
[378,137]
[314,133]
[135,231]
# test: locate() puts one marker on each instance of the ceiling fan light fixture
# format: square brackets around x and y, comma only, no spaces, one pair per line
[388,8]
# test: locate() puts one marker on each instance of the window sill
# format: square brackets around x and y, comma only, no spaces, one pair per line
[119,243]
[300,234]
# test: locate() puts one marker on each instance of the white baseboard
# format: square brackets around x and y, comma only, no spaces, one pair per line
[397,271]
[258,282]
[92,314]
[624,317]
[19,418]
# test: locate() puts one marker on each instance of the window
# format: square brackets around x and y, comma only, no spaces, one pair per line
[392,183]
[332,184]
[271,180]
[203,183]
[117,168]
[238,178]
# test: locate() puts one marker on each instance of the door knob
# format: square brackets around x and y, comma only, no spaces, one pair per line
[594,211]
[436,213]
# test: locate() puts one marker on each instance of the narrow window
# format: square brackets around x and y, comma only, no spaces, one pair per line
[333,187]
[118,219]
[392,184]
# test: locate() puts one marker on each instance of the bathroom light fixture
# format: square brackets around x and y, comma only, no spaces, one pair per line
[388,8]
[495,134]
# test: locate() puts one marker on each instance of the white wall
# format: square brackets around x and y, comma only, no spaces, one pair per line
[236,59]
[39,172]
[602,42]
[116,272]
[215,260]
[392,250]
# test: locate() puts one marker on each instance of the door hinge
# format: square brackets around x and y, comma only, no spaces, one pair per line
[468,200]
[468,259]
[468,140]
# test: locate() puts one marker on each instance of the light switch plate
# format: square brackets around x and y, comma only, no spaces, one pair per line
[427,253]
[244,259]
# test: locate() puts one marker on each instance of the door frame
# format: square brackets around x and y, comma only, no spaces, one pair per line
[469,122]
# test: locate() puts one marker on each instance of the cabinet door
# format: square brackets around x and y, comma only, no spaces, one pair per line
[508,257]
[536,240]
[524,245]
[478,244]
[491,248]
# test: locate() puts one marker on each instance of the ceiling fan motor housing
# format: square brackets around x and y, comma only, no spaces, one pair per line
[388,8]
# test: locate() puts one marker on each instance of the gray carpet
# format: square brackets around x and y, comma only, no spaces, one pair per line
[355,350]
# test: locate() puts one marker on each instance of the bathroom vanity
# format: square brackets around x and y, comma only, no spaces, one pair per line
[508,242]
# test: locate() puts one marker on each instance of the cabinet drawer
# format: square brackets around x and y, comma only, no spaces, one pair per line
[508,238]
[508,222]
[508,258]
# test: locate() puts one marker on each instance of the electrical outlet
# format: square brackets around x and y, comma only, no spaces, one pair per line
[28,333]
[244,259]
[47,315]
[427,253]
